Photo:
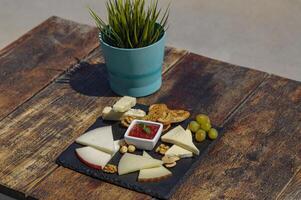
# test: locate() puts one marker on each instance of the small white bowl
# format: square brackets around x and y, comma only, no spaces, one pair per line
[141,143]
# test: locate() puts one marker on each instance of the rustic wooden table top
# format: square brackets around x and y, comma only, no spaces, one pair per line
[53,86]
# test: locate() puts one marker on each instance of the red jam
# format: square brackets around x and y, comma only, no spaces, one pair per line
[145,131]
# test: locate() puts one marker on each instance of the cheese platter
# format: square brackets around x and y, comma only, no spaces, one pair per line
[149,149]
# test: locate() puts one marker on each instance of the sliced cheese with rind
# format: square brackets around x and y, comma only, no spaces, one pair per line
[99,138]
[131,163]
[178,151]
[93,157]
[124,104]
[153,174]
[181,138]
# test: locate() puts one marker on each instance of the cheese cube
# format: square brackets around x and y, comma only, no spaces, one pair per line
[135,113]
[124,104]
[109,114]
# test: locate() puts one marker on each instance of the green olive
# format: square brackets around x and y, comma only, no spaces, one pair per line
[206,127]
[202,119]
[212,134]
[194,126]
[200,135]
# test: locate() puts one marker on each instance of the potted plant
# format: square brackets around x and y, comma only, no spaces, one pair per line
[133,41]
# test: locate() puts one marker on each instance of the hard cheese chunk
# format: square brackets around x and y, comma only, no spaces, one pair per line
[99,138]
[131,163]
[124,104]
[134,113]
[178,151]
[109,114]
[181,138]
[92,157]
[153,174]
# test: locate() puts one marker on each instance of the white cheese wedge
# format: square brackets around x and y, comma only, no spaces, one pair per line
[145,154]
[109,114]
[134,113]
[116,145]
[178,151]
[124,104]
[92,157]
[99,138]
[181,138]
[131,163]
[153,174]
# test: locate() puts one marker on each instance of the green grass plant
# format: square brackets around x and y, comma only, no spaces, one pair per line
[132,23]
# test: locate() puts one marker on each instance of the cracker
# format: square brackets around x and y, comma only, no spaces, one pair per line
[179,115]
[166,127]
[170,165]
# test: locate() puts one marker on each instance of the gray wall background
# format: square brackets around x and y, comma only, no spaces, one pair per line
[261,34]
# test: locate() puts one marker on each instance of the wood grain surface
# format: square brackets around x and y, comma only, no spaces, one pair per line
[293,190]
[203,85]
[259,152]
[34,60]
[176,80]
[258,157]
[69,185]
[34,134]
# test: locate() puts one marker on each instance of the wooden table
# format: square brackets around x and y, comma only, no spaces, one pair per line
[53,86]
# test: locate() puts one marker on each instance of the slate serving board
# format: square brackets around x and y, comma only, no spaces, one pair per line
[162,189]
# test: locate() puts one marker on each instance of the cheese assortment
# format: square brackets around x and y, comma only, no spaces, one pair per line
[100,147]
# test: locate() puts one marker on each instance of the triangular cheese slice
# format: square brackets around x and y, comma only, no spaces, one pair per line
[95,158]
[153,174]
[99,138]
[178,151]
[131,162]
[181,138]
[92,157]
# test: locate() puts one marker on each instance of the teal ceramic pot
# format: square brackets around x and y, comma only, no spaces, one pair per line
[134,72]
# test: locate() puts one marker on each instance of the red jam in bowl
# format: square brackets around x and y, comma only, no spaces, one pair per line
[145,131]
